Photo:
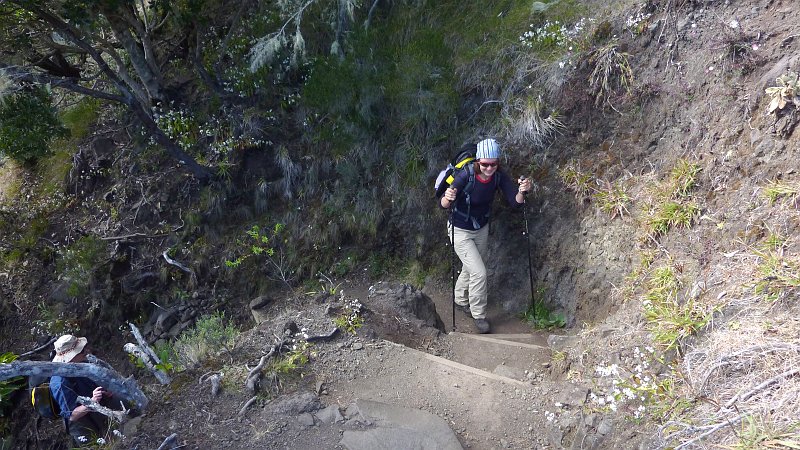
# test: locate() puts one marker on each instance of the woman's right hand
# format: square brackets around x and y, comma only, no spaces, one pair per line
[450,194]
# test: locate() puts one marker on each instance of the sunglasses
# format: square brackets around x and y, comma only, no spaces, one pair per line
[491,164]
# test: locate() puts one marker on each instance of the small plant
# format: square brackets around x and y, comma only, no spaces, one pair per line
[78,262]
[271,245]
[611,71]
[683,178]
[776,272]
[670,318]
[209,336]
[9,386]
[351,319]
[539,316]
[640,391]
[165,353]
[672,214]
[576,181]
[293,360]
[612,199]
[775,190]
[784,93]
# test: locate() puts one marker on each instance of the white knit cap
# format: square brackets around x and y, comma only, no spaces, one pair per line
[488,149]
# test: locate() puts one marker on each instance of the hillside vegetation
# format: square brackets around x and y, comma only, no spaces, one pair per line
[276,150]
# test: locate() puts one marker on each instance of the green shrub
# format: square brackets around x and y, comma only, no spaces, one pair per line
[80,117]
[78,262]
[28,122]
[209,336]
[9,386]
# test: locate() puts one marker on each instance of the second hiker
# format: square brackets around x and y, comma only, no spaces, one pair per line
[470,197]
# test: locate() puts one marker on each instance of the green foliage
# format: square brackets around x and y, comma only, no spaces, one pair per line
[9,386]
[577,181]
[28,122]
[775,190]
[673,207]
[78,262]
[209,336]
[612,199]
[670,318]
[81,117]
[294,360]
[672,214]
[350,320]
[271,245]
[538,315]
[165,353]
[776,271]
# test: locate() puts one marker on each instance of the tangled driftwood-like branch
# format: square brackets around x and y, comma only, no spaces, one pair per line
[119,416]
[124,388]
[169,442]
[215,378]
[254,375]
[146,355]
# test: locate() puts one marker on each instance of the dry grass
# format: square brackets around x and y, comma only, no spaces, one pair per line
[747,368]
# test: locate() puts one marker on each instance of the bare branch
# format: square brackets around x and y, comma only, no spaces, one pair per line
[125,388]
[119,416]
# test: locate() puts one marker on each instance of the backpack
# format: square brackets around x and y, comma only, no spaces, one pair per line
[462,161]
[43,402]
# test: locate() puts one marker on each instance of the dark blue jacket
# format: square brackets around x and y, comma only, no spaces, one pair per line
[474,214]
[66,391]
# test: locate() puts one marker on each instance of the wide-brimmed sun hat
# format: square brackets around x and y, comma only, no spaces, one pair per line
[68,347]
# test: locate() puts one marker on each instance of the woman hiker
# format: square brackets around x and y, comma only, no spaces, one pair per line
[470,217]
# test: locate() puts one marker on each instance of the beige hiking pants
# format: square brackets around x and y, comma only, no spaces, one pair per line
[471,248]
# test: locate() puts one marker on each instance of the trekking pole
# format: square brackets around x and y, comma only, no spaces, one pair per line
[528,241]
[453,267]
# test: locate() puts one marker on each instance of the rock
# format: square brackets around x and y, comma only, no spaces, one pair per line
[572,395]
[330,415]
[305,402]
[357,346]
[166,321]
[131,426]
[399,427]
[509,372]
[306,420]
[560,343]
[257,306]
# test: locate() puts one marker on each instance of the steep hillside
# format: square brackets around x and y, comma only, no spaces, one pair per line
[662,227]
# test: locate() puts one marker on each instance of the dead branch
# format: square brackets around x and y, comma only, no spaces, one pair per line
[255,373]
[40,348]
[247,405]
[125,388]
[180,266]
[143,344]
[761,387]
[136,351]
[215,379]
[91,405]
[169,442]
[324,337]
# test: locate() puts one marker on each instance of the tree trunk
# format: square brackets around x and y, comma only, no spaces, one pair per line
[125,389]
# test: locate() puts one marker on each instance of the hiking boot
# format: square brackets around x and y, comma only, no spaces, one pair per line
[464,308]
[482,325]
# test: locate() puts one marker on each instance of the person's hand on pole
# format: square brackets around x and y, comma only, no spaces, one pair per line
[524,187]
[449,197]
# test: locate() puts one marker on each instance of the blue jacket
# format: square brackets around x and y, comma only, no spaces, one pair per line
[66,391]
[474,213]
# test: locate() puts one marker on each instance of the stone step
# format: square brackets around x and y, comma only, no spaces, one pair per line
[511,359]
